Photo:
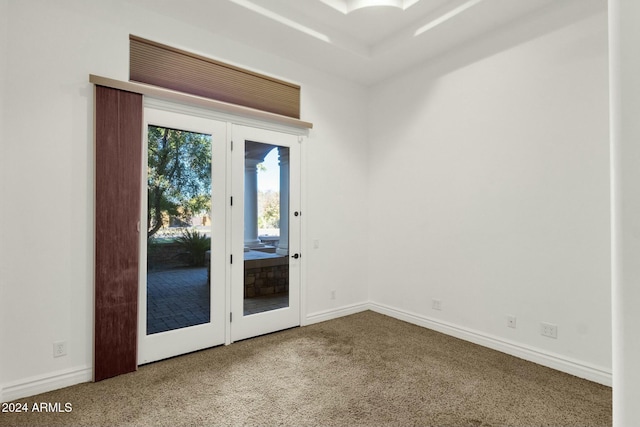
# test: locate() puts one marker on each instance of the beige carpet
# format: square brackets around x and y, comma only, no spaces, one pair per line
[366,369]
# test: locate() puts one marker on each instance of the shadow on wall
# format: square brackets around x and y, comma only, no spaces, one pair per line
[550,18]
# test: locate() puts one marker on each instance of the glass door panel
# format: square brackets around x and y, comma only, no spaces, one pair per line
[178,228]
[265,282]
[182,287]
[266,232]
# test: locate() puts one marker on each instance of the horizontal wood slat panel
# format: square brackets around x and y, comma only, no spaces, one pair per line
[171,68]
[118,163]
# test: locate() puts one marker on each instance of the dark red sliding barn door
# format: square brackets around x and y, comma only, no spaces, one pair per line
[118,159]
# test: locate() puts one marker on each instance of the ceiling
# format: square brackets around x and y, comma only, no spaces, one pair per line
[364,45]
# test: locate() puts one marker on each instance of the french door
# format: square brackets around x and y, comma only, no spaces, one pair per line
[220,234]
[183,227]
[265,296]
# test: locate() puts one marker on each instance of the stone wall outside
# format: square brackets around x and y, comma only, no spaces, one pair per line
[266,277]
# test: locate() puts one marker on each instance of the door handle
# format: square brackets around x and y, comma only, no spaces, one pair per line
[295,256]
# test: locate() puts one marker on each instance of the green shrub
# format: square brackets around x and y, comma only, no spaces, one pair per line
[196,244]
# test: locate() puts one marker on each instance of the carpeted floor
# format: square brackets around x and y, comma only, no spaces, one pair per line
[361,370]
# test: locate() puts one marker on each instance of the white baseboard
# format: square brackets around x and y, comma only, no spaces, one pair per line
[550,360]
[60,379]
[322,316]
[44,383]
[69,377]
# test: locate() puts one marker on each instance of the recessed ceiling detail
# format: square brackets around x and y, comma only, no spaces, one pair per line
[281,19]
[360,43]
[446,16]
[347,6]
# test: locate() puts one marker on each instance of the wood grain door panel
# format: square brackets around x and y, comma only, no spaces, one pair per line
[118,163]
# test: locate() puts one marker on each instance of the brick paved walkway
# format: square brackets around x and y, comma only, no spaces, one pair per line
[177,299]
[180,298]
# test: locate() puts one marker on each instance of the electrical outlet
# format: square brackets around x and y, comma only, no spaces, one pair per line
[59,348]
[316,244]
[511,321]
[333,294]
[549,330]
[436,304]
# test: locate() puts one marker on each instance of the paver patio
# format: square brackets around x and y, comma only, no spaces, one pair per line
[179,298]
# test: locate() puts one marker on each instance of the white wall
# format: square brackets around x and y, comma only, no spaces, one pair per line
[4,35]
[484,184]
[335,203]
[48,229]
[625,134]
[489,190]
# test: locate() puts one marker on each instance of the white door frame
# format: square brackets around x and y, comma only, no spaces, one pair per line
[229,121]
[269,321]
[161,345]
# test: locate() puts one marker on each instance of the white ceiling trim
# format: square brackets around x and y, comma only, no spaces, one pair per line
[447,16]
[370,44]
[347,6]
[282,20]
[337,40]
